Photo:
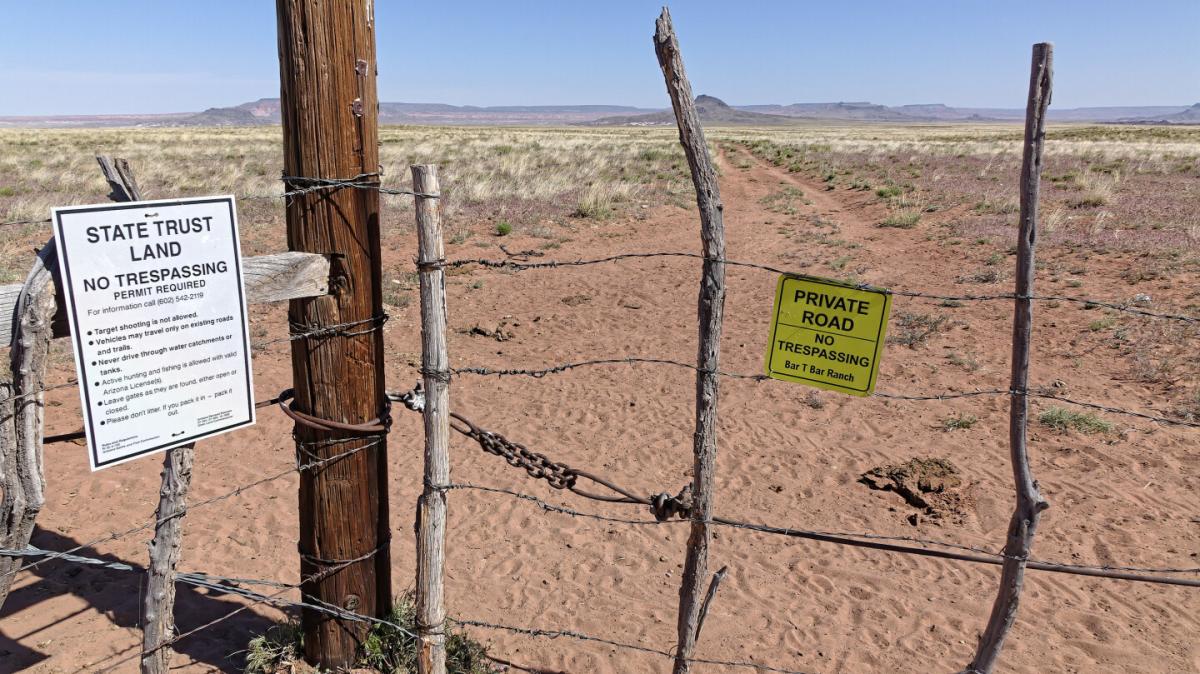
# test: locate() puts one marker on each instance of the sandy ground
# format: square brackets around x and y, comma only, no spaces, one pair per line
[786,458]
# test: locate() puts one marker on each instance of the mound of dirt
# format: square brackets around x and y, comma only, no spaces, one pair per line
[932,485]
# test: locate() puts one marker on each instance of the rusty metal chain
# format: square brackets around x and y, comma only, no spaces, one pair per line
[557,474]
[537,465]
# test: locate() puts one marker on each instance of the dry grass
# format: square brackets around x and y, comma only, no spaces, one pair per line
[530,178]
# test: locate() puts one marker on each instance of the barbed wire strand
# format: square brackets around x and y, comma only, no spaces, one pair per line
[359,182]
[331,330]
[254,601]
[879,542]
[319,463]
[539,373]
[219,584]
[571,634]
[516,263]
[562,476]
[223,584]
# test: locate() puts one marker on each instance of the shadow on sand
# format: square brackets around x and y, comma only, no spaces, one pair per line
[117,595]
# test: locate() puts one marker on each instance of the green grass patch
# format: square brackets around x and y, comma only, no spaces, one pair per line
[1061,420]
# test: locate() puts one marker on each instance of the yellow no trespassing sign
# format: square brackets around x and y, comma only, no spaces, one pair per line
[827,334]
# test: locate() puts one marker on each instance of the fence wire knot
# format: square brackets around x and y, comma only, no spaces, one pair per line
[413,400]
[664,506]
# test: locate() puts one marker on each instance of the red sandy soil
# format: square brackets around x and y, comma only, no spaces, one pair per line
[787,457]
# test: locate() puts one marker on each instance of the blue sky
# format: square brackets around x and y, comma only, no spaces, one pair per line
[77,57]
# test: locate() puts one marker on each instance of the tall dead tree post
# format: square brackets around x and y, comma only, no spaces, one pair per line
[435,364]
[1030,503]
[710,311]
[158,607]
[330,112]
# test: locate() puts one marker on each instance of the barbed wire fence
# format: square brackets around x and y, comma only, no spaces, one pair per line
[667,509]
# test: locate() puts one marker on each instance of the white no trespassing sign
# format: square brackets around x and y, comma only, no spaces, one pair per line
[157,307]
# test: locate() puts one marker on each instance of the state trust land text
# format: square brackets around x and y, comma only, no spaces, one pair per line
[153,240]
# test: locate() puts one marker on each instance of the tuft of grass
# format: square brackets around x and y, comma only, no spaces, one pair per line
[784,201]
[989,275]
[889,192]
[1190,409]
[913,328]
[989,207]
[840,263]
[966,362]
[1094,191]
[1061,420]
[902,220]
[595,202]
[272,650]
[956,422]
[387,648]
[503,228]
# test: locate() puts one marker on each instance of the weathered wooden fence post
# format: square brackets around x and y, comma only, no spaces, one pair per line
[435,364]
[21,420]
[158,607]
[330,111]
[1030,503]
[710,311]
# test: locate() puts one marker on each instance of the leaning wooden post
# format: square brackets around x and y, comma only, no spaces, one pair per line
[1030,503]
[330,113]
[710,309]
[22,417]
[435,364]
[158,607]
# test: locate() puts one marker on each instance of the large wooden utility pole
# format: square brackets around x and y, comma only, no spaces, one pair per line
[330,116]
